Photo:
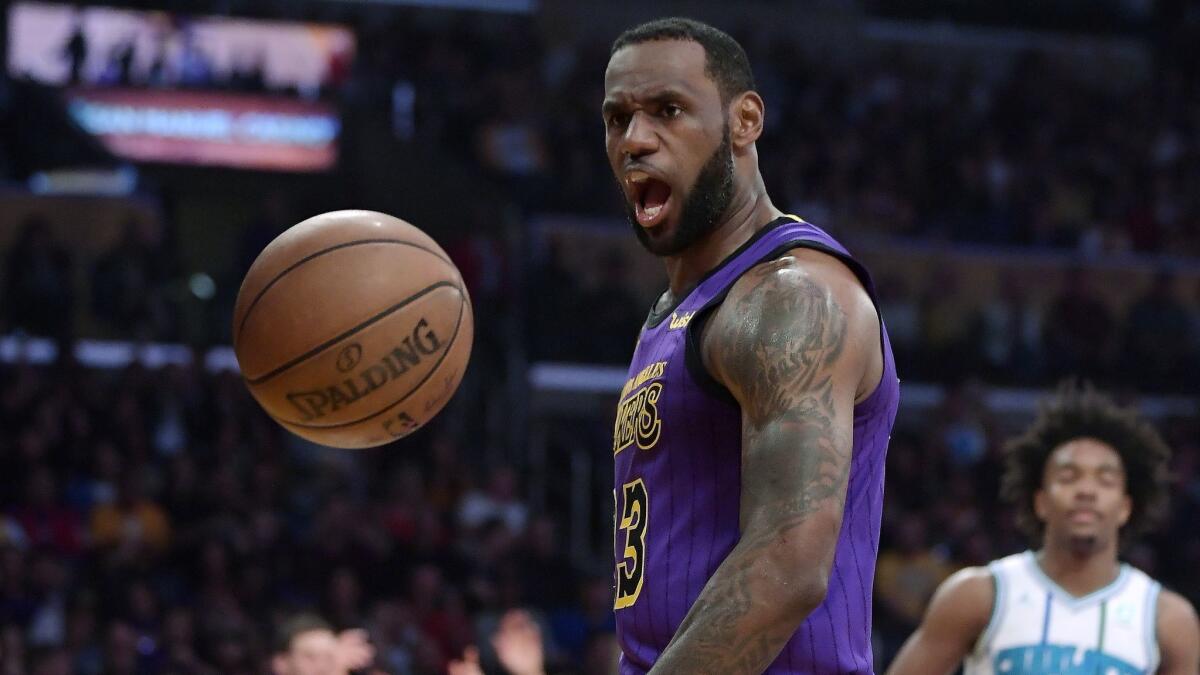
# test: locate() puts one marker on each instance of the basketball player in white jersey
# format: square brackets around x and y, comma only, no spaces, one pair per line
[1085,477]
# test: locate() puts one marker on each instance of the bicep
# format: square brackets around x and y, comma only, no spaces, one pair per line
[784,344]
[956,617]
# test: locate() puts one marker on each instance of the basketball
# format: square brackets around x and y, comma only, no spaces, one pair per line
[352,329]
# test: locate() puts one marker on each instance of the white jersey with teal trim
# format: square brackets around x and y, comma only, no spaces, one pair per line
[1037,628]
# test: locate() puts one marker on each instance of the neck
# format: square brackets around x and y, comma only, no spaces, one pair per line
[749,211]
[1079,572]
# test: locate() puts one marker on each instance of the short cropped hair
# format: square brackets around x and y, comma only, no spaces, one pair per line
[725,60]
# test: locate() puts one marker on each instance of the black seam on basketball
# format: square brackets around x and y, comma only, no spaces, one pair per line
[462,308]
[342,336]
[357,242]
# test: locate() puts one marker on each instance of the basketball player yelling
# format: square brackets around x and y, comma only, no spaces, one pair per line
[1084,477]
[750,436]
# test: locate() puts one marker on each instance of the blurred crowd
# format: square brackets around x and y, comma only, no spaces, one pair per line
[1036,155]
[943,333]
[129,286]
[1033,154]
[1020,332]
[157,522]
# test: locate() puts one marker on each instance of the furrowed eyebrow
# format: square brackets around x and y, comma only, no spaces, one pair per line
[657,97]
[665,95]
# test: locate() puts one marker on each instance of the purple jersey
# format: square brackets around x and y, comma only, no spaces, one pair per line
[677,448]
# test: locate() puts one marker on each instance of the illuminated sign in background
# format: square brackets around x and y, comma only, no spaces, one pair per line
[210,128]
[162,87]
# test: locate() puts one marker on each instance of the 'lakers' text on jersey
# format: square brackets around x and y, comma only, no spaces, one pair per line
[1037,628]
[677,450]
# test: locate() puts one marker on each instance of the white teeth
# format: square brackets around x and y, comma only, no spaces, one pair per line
[652,211]
[637,177]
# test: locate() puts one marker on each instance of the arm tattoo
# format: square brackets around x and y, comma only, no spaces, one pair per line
[781,351]
[777,348]
[780,346]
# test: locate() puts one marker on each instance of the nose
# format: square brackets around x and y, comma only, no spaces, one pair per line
[640,138]
[1086,490]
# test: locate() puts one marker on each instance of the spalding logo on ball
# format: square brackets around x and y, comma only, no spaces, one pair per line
[353,329]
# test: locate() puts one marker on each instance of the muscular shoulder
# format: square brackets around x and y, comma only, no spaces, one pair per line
[972,586]
[954,621]
[1177,621]
[1174,608]
[964,601]
[791,315]
[804,271]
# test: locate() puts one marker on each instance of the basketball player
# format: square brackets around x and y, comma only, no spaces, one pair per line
[1086,476]
[750,437]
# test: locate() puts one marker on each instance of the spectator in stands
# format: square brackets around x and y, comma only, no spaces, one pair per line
[119,69]
[553,302]
[49,583]
[82,642]
[611,304]
[121,651]
[132,528]
[39,291]
[902,316]
[45,520]
[1079,329]
[75,51]
[906,577]
[128,284]
[51,661]
[946,335]
[578,629]
[178,649]
[498,502]
[518,644]
[195,65]
[307,645]
[1159,345]
[1010,328]
[549,579]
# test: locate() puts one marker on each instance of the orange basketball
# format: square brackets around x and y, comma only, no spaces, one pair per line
[352,329]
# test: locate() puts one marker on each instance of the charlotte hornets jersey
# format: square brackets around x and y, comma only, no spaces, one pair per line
[677,448]
[1037,628]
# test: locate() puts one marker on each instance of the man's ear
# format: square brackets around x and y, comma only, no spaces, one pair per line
[746,115]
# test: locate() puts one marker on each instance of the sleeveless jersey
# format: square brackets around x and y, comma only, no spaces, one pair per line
[1037,628]
[677,449]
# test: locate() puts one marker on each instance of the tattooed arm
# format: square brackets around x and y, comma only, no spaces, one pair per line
[797,343]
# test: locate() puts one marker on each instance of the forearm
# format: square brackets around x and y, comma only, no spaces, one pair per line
[746,613]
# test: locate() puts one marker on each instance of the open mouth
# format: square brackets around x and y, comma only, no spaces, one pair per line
[651,198]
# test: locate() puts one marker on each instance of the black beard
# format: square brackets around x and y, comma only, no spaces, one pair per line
[1085,546]
[703,207]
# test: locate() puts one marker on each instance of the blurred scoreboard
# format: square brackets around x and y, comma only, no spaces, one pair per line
[212,128]
[157,86]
